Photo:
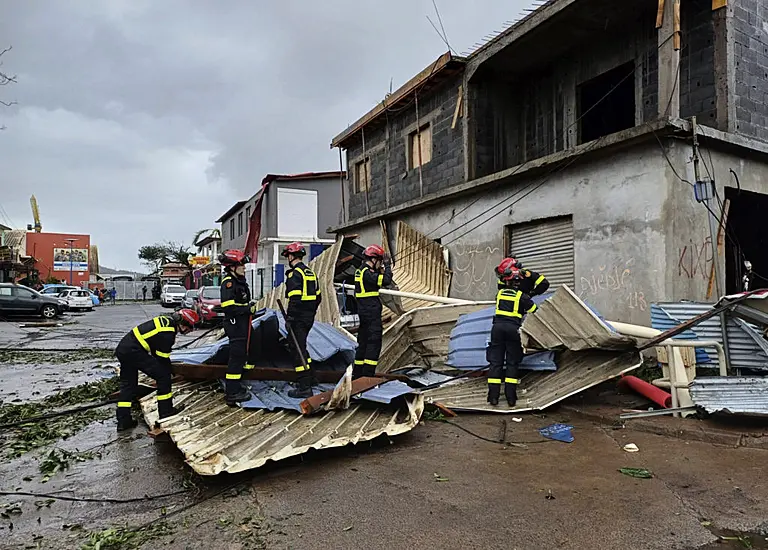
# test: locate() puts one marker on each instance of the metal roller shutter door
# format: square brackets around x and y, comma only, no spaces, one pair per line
[545,246]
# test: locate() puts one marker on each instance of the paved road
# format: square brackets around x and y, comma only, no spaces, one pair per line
[436,487]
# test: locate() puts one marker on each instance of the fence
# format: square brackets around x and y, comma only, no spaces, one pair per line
[130,290]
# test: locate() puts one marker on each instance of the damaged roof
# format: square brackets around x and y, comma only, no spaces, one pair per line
[215,438]
[731,394]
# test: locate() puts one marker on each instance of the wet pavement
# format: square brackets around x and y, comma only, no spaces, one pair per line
[437,486]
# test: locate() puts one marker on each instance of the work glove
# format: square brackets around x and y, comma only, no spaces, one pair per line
[252,305]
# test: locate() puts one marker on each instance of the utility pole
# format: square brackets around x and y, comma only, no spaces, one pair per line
[704,192]
[71,244]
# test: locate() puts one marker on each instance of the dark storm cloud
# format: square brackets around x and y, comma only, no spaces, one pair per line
[140,120]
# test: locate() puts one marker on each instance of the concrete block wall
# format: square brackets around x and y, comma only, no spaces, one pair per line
[750,35]
[697,62]
[392,183]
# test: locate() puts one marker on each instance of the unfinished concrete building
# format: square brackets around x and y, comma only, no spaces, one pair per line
[568,141]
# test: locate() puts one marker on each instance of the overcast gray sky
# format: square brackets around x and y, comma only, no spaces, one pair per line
[144,120]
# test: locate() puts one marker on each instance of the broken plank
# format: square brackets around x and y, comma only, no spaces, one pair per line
[660,15]
[360,385]
[676,23]
[717,4]
[445,410]
[457,112]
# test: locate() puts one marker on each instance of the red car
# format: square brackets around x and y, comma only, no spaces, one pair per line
[205,302]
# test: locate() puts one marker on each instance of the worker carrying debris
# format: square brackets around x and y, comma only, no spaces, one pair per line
[505,348]
[372,275]
[303,292]
[147,348]
[238,309]
[532,284]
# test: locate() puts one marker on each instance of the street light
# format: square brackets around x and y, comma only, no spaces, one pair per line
[71,242]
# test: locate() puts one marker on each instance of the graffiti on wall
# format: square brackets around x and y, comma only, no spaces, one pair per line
[614,282]
[695,259]
[473,271]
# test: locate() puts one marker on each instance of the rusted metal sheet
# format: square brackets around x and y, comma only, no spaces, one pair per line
[576,372]
[420,266]
[215,438]
[565,322]
[731,394]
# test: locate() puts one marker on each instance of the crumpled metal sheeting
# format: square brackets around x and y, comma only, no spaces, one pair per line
[577,371]
[564,321]
[731,394]
[215,438]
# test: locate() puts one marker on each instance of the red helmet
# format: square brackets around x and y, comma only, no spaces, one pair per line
[508,270]
[233,257]
[297,249]
[188,317]
[374,251]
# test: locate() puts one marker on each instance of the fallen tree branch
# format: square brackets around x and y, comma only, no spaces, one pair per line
[56,414]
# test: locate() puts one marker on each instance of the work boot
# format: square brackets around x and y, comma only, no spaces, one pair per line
[164,411]
[510,392]
[232,399]
[303,388]
[493,394]
[126,423]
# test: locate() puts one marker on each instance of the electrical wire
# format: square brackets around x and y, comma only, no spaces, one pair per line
[92,499]
[488,439]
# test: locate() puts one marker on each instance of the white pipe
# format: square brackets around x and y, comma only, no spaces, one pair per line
[415,296]
[638,331]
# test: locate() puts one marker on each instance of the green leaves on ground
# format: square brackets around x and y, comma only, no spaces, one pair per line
[54,357]
[640,473]
[58,460]
[126,538]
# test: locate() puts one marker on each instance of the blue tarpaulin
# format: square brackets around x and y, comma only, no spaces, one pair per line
[386,392]
[328,348]
[558,432]
[273,395]
[470,337]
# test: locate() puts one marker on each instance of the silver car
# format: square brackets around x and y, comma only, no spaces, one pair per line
[189,298]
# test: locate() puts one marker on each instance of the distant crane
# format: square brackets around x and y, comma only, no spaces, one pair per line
[35,214]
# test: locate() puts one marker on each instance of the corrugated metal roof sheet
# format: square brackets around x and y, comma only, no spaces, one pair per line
[420,266]
[215,438]
[731,394]
[564,321]
[663,321]
[576,372]
[470,337]
[746,348]
[15,239]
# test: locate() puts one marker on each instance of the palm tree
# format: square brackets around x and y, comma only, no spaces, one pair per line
[216,233]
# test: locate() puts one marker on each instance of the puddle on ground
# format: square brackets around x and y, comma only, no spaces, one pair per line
[736,540]
[24,382]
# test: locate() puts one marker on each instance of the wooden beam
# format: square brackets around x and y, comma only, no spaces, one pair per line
[360,385]
[717,4]
[677,25]
[720,246]
[459,103]
[660,15]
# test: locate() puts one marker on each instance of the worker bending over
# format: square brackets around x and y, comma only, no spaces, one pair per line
[147,348]
[237,307]
[303,292]
[505,348]
[532,283]
[372,275]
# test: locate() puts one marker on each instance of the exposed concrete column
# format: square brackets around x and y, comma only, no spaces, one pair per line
[669,63]
[725,69]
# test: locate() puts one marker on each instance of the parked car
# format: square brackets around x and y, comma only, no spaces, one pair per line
[56,289]
[77,299]
[20,300]
[172,295]
[207,303]
[189,298]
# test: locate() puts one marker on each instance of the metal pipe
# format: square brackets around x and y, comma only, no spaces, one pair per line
[639,331]
[415,296]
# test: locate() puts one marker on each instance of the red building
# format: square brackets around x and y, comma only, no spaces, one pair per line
[51,252]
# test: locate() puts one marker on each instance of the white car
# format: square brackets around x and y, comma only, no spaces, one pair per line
[77,299]
[172,295]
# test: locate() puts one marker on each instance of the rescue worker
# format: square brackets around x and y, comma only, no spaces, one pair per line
[372,275]
[147,348]
[506,349]
[303,292]
[237,307]
[532,284]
